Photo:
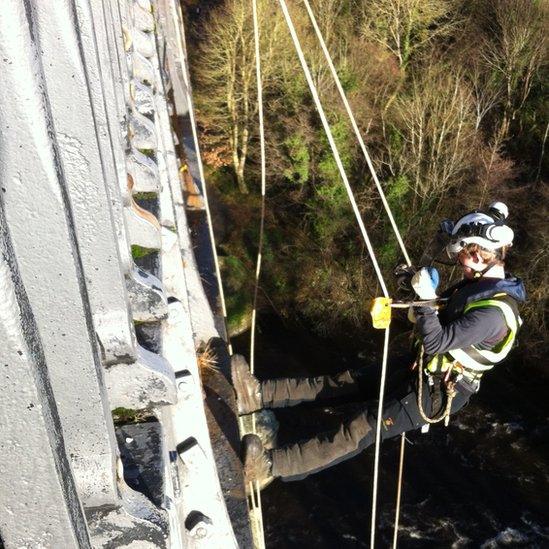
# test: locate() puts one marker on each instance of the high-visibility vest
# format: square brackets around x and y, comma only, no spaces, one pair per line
[473,361]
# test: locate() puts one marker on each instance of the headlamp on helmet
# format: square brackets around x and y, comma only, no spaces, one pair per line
[489,230]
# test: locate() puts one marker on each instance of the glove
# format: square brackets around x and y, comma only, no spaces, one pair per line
[425,283]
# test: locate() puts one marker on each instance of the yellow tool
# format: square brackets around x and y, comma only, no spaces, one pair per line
[380,310]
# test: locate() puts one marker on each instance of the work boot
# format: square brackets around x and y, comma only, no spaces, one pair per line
[256,460]
[246,385]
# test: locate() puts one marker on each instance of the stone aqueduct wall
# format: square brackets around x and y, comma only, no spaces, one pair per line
[89,171]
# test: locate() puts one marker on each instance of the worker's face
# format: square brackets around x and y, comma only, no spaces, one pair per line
[471,263]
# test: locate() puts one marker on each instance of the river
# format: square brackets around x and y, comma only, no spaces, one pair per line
[481,482]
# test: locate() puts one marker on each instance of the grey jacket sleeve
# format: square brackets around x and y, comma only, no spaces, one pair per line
[484,325]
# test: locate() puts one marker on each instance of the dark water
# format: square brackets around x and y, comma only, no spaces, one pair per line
[481,482]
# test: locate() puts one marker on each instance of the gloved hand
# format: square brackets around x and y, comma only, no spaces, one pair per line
[425,283]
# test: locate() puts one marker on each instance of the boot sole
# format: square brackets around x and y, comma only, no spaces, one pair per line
[241,388]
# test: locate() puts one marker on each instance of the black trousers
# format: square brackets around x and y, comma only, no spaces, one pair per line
[400,414]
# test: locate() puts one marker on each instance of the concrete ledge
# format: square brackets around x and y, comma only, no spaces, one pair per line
[148,300]
[147,382]
[144,172]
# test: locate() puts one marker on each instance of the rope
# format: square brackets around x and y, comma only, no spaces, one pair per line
[398,236]
[399,490]
[377,447]
[263,180]
[357,131]
[255,488]
[450,394]
[350,194]
[333,146]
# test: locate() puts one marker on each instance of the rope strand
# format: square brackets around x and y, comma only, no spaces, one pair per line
[394,226]
[357,132]
[367,241]
[333,146]
[255,488]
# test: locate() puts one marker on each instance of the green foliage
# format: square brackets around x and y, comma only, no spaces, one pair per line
[388,255]
[239,309]
[348,79]
[148,152]
[333,193]
[397,194]
[139,251]
[236,280]
[395,140]
[428,82]
[397,188]
[298,152]
[327,167]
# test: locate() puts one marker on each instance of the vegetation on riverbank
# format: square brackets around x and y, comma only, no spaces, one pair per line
[451,97]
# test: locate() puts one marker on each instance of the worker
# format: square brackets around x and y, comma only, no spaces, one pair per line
[458,342]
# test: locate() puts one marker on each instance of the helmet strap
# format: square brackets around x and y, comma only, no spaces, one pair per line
[480,274]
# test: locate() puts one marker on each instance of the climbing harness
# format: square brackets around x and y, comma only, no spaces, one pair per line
[434,381]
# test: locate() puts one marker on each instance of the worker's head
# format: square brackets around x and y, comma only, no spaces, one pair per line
[479,240]
[475,260]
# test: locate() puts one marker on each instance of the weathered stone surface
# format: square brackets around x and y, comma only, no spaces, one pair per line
[199,482]
[116,334]
[88,163]
[49,514]
[66,121]
[143,69]
[144,172]
[143,227]
[143,97]
[148,300]
[147,382]
[141,451]
[142,132]
[143,43]
[136,525]
[42,227]
[142,17]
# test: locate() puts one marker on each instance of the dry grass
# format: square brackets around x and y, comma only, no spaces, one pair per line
[207,360]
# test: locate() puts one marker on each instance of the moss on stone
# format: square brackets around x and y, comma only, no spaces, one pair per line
[139,251]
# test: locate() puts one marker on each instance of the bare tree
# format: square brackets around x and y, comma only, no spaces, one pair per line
[226,76]
[515,50]
[406,26]
[436,126]
[486,91]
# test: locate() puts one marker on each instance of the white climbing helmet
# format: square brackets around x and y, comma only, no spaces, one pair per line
[488,230]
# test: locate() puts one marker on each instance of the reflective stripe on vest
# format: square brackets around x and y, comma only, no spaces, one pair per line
[481,360]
